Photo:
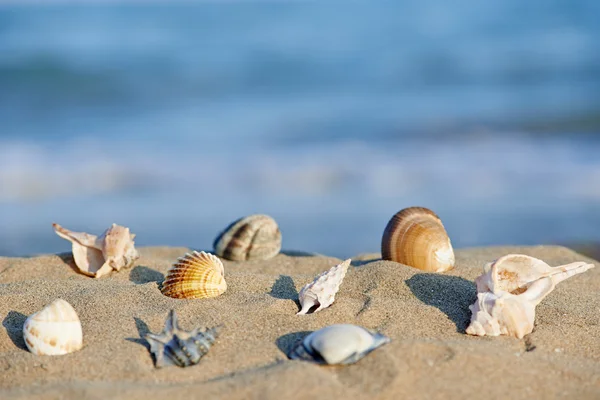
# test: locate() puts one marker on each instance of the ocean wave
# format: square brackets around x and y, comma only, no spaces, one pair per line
[464,168]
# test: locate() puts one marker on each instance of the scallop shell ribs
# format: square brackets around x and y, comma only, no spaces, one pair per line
[54,330]
[195,276]
[255,237]
[173,346]
[416,237]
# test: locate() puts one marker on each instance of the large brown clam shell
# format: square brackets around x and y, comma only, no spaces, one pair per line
[416,237]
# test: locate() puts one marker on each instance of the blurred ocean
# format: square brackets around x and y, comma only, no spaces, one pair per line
[175,120]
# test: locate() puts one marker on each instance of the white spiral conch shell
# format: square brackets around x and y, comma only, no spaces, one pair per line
[509,290]
[321,292]
[338,344]
[54,330]
[96,256]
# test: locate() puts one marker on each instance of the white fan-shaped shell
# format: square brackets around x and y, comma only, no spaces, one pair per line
[338,344]
[509,290]
[54,330]
[321,292]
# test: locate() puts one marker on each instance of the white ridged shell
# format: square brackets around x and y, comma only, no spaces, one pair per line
[321,292]
[55,330]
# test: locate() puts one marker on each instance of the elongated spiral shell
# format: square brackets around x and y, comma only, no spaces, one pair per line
[255,237]
[416,237]
[195,276]
[320,293]
[54,330]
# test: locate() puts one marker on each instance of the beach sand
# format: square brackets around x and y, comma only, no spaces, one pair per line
[425,315]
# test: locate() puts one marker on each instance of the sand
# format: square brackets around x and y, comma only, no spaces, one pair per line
[430,356]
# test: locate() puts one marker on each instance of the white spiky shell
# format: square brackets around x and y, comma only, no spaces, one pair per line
[54,330]
[509,290]
[321,292]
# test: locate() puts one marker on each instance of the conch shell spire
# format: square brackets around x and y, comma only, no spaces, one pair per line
[509,290]
[96,256]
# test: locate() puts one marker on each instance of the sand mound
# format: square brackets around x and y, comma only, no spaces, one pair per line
[425,315]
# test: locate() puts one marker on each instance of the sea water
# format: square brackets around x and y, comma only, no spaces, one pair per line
[176,119]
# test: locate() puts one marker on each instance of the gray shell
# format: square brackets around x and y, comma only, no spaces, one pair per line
[176,347]
[255,237]
[338,344]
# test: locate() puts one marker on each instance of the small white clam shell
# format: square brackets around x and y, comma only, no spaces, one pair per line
[338,344]
[321,292]
[54,330]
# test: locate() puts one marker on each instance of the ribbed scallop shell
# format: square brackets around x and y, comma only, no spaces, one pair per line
[416,237]
[54,330]
[255,237]
[321,292]
[338,344]
[195,276]
[509,290]
[174,346]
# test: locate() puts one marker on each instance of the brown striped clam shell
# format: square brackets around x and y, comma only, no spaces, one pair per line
[195,276]
[416,237]
[255,237]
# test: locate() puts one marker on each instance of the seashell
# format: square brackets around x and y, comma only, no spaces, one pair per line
[321,292]
[416,237]
[174,346]
[98,255]
[54,330]
[338,344]
[255,237]
[195,276]
[509,290]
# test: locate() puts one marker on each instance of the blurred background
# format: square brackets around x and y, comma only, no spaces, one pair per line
[177,119]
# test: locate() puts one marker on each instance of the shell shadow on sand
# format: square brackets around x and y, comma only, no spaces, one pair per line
[284,288]
[288,341]
[68,259]
[13,323]
[143,330]
[142,274]
[450,294]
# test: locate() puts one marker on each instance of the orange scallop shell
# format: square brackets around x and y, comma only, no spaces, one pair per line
[195,276]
